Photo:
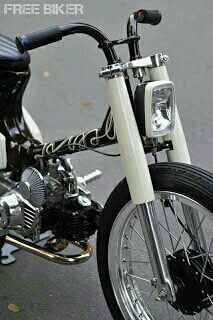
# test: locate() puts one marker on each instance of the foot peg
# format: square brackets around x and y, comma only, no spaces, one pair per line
[94,175]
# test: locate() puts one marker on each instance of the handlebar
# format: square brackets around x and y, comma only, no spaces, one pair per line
[56,33]
[38,39]
[152,17]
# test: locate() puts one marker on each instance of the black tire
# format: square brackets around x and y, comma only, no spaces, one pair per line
[186,180]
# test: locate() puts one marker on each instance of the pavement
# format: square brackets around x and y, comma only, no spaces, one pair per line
[66,97]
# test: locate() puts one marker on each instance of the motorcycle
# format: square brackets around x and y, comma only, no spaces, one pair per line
[154,241]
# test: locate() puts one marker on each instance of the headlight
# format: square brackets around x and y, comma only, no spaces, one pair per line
[159,104]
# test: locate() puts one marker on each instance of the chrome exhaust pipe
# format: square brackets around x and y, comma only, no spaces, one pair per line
[87,251]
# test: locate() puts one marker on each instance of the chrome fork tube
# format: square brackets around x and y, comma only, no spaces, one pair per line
[149,223]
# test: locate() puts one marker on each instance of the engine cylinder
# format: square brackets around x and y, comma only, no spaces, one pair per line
[18,214]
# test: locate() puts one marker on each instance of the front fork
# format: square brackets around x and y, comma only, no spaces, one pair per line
[138,176]
[139,181]
[154,243]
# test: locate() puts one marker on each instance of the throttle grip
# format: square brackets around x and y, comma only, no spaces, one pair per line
[152,17]
[38,39]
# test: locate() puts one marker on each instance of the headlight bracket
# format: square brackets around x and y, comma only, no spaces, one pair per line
[150,147]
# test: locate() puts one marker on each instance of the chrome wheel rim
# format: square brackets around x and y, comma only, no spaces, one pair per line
[129,266]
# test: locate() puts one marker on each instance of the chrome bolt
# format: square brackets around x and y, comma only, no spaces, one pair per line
[163,294]
[157,298]
[154,282]
[56,189]
[84,201]
[13,144]
[165,58]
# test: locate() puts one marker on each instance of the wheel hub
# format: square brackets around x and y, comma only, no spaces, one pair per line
[192,290]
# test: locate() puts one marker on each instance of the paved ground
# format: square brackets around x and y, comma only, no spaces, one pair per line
[72,99]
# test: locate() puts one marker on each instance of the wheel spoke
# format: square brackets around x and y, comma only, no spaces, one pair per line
[167,306]
[139,235]
[180,223]
[135,261]
[198,228]
[170,253]
[148,311]
[170,233]
[139,291]
[182,231]
[209,312]
[182,316]
[138,298]
[184,246]
[210,299]
[133,249]
[136,249]
[201,255]
[136,277]
[167,224]
[206,261]
[147,300]
[205,276]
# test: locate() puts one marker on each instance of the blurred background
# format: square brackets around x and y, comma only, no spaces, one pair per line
[66,97]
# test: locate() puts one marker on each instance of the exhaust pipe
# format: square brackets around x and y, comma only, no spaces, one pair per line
[87,251]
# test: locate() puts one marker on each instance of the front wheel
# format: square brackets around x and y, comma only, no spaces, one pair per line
[184,207]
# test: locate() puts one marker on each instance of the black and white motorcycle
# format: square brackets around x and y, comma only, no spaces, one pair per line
[155,239]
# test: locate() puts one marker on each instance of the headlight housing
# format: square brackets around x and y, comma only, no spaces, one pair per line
[159,104]
[154,107]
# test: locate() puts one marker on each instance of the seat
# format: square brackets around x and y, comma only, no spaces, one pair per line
[10,58]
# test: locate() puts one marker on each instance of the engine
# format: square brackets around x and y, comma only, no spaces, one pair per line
[50,197]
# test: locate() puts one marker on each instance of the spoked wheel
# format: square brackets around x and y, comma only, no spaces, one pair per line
[184,206]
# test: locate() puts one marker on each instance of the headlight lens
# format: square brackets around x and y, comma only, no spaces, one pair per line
[162,106]
[159,108]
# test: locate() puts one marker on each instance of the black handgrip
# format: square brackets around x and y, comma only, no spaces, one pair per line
[38,39]
[152,17]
